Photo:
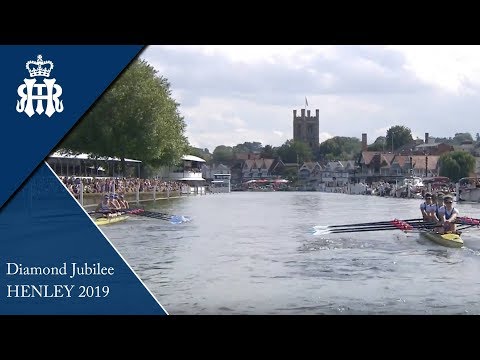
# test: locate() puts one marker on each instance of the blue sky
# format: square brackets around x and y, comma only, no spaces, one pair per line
[235,93]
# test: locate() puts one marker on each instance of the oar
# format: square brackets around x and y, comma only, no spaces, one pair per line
[386,222]
[467,221]
[174,219]
[119,212]
[366,226]
[464,227]
[396,226]
[325,232]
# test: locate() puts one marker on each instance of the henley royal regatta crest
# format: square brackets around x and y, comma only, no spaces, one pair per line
[31,90]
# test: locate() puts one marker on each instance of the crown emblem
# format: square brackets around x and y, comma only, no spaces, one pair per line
[39,67]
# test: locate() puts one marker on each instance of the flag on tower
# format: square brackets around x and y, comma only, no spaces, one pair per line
[306,102]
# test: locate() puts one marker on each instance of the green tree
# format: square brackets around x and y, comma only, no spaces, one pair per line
[294,151]
[339,148]
[135,118]
[380,144]
[223,154]
[268,152]
[461,138]
[456,165]
[398,135]
[248,147]
[291,175]
[201,153]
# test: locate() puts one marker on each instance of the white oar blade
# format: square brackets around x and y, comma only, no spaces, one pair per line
[321,231]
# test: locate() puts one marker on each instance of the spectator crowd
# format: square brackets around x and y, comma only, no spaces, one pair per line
[119,185]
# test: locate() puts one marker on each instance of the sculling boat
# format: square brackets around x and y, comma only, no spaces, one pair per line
[449,240]
[415,225]
[125,214]
[110,220]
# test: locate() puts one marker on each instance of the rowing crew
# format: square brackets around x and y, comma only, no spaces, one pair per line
[112,205]
[439,209]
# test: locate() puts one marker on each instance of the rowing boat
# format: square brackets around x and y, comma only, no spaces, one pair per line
[110,220]
[449,240]
[425,229]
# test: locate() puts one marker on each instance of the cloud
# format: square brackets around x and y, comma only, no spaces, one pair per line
[451,68]
[233,94]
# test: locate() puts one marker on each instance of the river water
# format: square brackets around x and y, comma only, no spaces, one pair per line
[255,253]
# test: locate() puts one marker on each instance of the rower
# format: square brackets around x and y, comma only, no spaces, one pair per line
[436,209]
[123,203]
[104,206]
[448,215]
[114,204]
[427,208]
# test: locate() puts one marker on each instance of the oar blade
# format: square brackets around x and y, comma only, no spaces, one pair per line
[321,231]
[179,219]
[319,227]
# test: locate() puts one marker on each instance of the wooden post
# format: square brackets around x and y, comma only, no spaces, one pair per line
[426,165]
[80,194]
[137,195]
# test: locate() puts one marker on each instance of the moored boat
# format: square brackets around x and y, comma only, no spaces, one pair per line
[449,240]
[110,220]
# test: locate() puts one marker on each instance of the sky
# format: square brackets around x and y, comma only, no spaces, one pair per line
[231,94]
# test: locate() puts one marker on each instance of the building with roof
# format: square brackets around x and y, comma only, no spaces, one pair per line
[189,172]
[386,164]
[87,165]
[258,169]
[208,171]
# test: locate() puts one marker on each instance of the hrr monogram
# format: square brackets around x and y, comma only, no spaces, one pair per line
[39,68]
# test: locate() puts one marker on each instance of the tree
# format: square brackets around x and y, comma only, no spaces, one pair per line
[399,135]
[136,118]
[201,153]
[223,154]
[339,148]
[248,147]
[380,144]
[456,164]
[268,152]
[291,175]
[461,138]
[294,152]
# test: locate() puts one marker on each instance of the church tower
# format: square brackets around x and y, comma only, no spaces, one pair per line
[306,128]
